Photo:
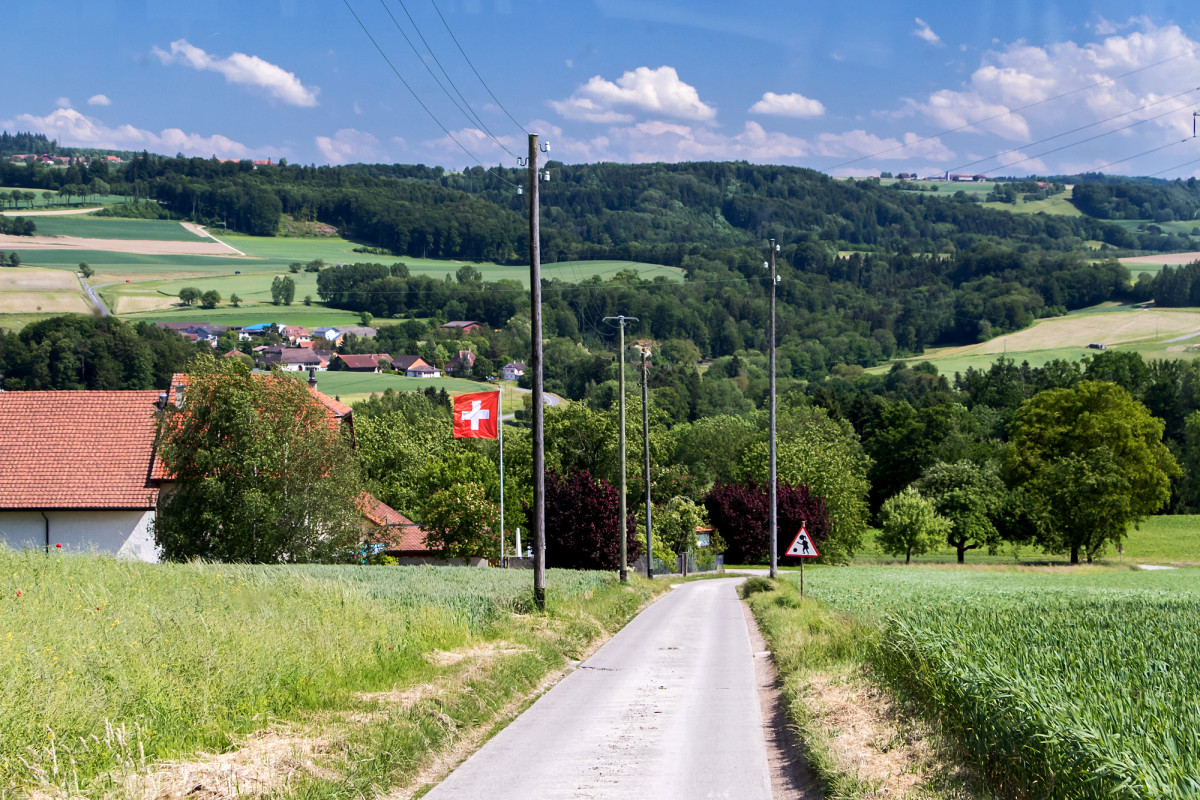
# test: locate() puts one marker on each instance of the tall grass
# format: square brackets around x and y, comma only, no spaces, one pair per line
[107,664]
[1064,686]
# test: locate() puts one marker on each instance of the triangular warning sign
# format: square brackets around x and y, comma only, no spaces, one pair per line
[802,546]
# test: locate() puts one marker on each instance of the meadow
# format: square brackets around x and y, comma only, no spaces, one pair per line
[109,668]
[1153,332]
[1055,682]
[93,227]
[350,387]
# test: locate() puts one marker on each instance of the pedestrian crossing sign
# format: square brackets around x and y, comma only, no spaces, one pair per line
[802,545]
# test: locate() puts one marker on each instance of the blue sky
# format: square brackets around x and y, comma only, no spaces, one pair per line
[849,88]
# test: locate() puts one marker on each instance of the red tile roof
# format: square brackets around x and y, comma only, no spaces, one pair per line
[399,533]
[370,361]
[77,449]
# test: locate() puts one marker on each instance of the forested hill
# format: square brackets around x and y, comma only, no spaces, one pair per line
[645,212]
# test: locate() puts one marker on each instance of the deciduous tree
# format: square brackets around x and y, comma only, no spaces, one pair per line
[1092,460]
[260,471]
[910,525]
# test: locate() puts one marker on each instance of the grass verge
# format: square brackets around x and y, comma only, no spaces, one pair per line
[860,741]
[116,679]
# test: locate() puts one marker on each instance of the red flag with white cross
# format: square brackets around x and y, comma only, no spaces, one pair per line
[476,415]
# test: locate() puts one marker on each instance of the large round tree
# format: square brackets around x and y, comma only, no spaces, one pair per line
[1092,460]
[260,471]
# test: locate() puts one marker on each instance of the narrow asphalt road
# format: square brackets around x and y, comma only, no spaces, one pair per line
[667,708]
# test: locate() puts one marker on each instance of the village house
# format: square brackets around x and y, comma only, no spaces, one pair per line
[415,367]
[463,326]
[291,359]
[77,471]
[461,363]
[359,363]
[328,336]
[81,473]
[297,335]
[513,370]
[361,331]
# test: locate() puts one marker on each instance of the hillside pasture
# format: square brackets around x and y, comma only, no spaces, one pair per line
[351,387]
[1149,331]
[31,289]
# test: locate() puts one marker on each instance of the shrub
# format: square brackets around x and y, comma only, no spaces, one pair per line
[740,513]
[581,523]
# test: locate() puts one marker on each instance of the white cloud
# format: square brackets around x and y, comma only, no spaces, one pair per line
[474,140]
[663,141]
[1067,84]
[99,100]
[658,92]
[969,110]
[243,69]
[1028,164]
[923,31]
[788,105]
[859,143]
[63,102]
[72,128]
[348,146]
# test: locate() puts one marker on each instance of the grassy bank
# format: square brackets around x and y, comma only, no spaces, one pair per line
[109,668]
[1051,683]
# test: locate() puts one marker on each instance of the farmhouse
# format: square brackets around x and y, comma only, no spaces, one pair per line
[328,335]
[513,370]
[77,471]
[415,367]
[359,363]
[361,331]
[463,326]
[461,363]
[80,472]
[292,359]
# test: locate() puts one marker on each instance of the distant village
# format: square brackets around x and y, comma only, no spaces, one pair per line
[303,350]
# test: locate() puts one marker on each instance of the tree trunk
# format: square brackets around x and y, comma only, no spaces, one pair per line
[962,554]
[1074,554]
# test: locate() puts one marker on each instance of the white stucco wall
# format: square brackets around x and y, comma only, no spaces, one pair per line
[124,534]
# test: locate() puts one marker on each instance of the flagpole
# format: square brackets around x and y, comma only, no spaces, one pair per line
[500,435]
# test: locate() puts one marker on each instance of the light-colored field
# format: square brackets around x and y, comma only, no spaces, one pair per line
[65,212]
[29,289]
[1145,331]
[1079,330]
[208,247]
[1161,260]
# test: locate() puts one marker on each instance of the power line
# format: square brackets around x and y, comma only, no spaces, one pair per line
[1082,141]
[1081,128]
[472,66]
[416,97]
[465,107]
[1010,111]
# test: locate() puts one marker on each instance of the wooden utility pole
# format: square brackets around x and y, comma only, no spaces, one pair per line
[538,430]
[621,320]
[646,467]
[774,502]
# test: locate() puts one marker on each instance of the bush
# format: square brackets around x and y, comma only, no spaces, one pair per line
[581,523]
[740,513]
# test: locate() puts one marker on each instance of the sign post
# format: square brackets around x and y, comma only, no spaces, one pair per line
[802,547]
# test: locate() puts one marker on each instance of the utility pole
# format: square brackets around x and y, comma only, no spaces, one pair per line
[621,320]
[774,502]
[646,468]
[538,430]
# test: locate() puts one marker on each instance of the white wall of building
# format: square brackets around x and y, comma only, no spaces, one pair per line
[124,534]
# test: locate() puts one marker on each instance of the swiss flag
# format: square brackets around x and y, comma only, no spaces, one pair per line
[476,415]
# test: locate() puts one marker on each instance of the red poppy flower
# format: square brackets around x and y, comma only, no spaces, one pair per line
[58,545]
